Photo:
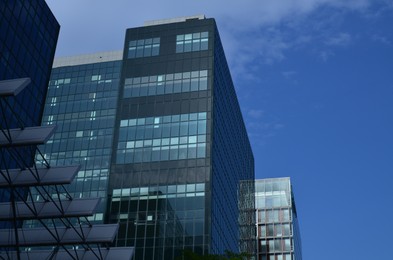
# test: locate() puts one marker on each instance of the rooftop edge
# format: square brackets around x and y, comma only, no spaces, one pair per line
[173,20]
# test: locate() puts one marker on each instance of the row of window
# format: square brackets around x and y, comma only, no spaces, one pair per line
[276,215]
[165,84]
[164,153]
[91,96]
[162,142]
[159,190]
[94,79]
[272,201]
[149,132]
[276,257]
[174,137]
[164,127]
[162,119]
[184,43]
[192,42]
[275,245]
[167,196]
[276,230]
[272,185]
[102,104]
[144,48]
[81,117]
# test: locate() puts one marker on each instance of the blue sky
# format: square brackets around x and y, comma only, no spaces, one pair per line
[315,84]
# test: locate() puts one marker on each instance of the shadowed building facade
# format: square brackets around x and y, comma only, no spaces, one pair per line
[28,37]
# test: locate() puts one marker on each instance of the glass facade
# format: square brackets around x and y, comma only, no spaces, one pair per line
[247,219]
[164,138]
[160,217]
[143,48]
[232,157]
[82,102]
[182,148]
[28,37]
[159,187]
[165,84]
[277,224]
[192,42]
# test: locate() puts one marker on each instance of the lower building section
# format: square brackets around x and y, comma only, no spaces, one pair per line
[160,221]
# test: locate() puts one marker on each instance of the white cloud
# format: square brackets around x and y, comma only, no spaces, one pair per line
[381,39]
[341,39]
[99,25]
[254,33]
[260,131]
[255,113]
[289,74]
[325,55]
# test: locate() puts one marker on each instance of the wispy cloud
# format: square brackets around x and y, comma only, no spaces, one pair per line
[255,113]
[341,39]
[256,34]
[260,125]
[288,74]
[262,130]
[325,55]
[381,39]
[237,18]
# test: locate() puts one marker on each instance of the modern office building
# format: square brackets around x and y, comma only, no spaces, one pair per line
[278,233]
[82,102]
[160,133]
[28,37]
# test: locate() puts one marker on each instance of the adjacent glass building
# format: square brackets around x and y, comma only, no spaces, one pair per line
[81,102]
[278,234]
[28,37]
[161,135]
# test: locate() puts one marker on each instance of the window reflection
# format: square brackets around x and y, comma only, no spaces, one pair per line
[144,48]
[164,138]
[165,84]
[192,42]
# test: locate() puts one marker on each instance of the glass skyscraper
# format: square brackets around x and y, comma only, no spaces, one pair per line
[81,102]
[169,146]
[278,234]
[28,37]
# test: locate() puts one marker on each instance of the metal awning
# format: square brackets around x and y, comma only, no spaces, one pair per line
[43,210]
[12,87]
[65,236]
[28,136]
[46,176]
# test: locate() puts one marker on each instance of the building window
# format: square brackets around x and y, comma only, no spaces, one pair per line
[53,102]
[144,48]
[192,42]
[95,77]
[162,192]
[50,120]
[174,137]
[165,84]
